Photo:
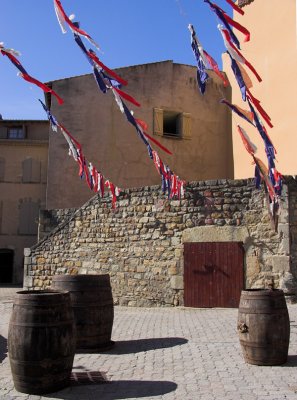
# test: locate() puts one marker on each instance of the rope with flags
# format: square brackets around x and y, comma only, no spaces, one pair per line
[12,54]
[270,176]
[94,178]
[108,80]
[204,62]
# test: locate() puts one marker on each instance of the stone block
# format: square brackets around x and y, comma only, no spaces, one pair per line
[82,271]
[172,270]
[28,282]
[285,246]
[280,263]
[27,260]
[157,270]
[177,282]
[87,265]
[175,241]
[27,251]
[140,269]
[288,283]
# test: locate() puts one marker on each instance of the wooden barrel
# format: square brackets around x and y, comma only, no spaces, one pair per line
[92,303]
[264,326]
[41,341]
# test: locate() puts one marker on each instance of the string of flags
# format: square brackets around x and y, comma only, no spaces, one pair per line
[12,55]
[94,178]
[204,62]
[269,176]
[108,80]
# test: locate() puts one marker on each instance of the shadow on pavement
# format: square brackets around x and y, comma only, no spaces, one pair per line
[138,345]
[116,390]
[3,348]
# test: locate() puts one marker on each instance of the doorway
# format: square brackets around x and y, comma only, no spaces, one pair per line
[213,274]
[6,266]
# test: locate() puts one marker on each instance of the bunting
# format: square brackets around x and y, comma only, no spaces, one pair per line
[94,179]
[261,129]
[271,178]
[63,19]
[235,7]
[235,53]
[204,61]
[245,114]
[11,55]
[106,80]
[227,21]
[250,147]
[242,77]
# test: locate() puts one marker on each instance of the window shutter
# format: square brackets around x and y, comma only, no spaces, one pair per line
[186,126]
[35,172]
[158,121]
[31,171]
[28,217]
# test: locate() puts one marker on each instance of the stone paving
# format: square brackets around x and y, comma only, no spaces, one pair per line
[170,354]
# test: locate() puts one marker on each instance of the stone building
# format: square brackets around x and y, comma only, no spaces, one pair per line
[23,170]
[195,128]
[272,51]
[36,172]
[199,251]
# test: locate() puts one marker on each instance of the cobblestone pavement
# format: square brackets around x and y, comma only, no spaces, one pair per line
[168,353]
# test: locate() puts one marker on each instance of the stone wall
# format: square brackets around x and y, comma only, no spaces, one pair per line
[50,219]
[290,278]
[140,244]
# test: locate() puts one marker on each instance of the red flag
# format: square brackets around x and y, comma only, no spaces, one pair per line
[42,86]
[127,97]
[261,110]
[250,147]
[235,7]
[144,127]
[215,67]
[109,71]
[72,26]
[235,53]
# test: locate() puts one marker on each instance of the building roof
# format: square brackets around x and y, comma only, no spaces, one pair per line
[243,3]
[19,121]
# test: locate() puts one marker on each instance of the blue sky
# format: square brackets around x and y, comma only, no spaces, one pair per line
[129,32]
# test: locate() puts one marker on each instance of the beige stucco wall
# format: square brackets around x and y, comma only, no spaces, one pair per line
[272,50]
[14,193]
[112,144]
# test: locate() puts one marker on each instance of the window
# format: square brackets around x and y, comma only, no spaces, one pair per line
[28,217]
[31,170]
[16,132]
[172,124]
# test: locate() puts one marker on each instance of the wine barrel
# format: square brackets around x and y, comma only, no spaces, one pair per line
[264,326]
[41,341]
[92,303]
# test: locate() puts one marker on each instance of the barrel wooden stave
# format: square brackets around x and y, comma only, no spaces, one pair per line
[92,303]
[264,327]
[41,341]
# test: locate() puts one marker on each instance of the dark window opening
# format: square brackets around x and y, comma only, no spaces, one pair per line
[16,132]
[6,266]
[170,124]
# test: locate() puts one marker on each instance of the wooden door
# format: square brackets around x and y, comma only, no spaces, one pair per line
[213,274]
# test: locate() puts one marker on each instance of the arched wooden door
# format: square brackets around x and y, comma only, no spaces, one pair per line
[213,274]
